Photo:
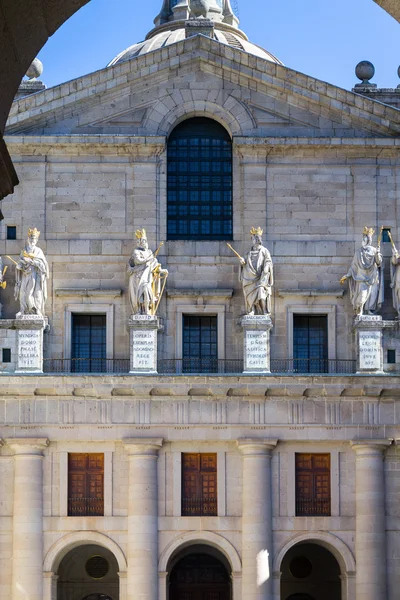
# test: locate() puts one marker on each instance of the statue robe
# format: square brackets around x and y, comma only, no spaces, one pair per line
[257,277]
[141,266]
[395,282]
[31,283]
[366,280]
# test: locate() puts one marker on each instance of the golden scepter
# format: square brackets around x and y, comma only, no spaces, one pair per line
[234,251]
[392,242]
[159,248]
[380,236]
[12,260]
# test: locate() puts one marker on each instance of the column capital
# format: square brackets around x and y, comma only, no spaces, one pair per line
[142,446]
[254,446]
[27,446]
[369,446]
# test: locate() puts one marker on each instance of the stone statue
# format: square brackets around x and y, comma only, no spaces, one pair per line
[257,276]
[146,277]
[199,8]
[31,274]
[395,276]
[366,276]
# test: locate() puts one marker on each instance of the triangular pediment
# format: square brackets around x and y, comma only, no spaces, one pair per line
[254,97]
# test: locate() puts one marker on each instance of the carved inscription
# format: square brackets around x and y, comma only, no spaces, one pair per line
[30,349]
[144,349]
[370,349]
[257,350]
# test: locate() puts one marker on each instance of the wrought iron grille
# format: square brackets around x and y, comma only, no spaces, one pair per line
[199,507]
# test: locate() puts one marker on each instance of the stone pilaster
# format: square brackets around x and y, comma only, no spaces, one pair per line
[257,518]
[143,518]
[370,519]
[27,569]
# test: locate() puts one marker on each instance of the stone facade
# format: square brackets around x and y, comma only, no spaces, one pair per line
[312,164]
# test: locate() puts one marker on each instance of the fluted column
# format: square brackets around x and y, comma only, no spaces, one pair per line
[370,519]
[27,570]
[143,518]
[257,519]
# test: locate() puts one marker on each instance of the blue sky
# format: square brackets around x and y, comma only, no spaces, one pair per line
[323,38]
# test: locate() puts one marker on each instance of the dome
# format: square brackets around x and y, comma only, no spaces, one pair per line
[171,36]
[170,27]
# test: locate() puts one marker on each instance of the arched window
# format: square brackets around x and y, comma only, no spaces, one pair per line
[199,181]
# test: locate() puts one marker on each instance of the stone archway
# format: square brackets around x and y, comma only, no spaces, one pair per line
[210,542]
[88,572]
[335,546]
[62,547]
[310,571]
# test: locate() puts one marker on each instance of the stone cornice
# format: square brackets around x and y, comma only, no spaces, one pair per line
[123,145]
[68,292]
[346,108]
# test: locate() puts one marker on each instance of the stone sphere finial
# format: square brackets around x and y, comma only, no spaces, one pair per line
[365,71]
[35,70]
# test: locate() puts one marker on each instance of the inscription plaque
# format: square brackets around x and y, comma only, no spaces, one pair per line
[30,356]
[370,350]
[144,350]
[257,350]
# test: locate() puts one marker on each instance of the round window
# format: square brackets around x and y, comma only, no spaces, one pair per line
[97,567]
[300,567]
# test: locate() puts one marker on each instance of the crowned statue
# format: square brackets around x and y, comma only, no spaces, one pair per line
[146,277]
[256,275]
[395,276]
[31,274]
[366,276]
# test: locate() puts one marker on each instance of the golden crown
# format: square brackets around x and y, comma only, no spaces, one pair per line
[368,231]
[141,234]
[33,233]
[254,231]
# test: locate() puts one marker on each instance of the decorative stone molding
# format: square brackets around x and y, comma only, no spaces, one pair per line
[27,446]
[73,540]
[143,446]
[251,446]
[331,542]
[200,537]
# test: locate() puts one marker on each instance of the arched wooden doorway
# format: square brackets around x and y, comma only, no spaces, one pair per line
[310,572]
[200,573]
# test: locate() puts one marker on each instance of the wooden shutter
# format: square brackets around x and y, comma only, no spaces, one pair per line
[313,484]
[199,484]
[85,484]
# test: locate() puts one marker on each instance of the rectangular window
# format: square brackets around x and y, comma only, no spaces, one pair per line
[89,347]
[6,355]
[313,485]
[199,485]
[386,231]
[11,232]
[85,485]
[310,344]
[391,357]
[200,344]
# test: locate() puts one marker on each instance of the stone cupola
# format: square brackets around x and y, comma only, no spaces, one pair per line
[171,26]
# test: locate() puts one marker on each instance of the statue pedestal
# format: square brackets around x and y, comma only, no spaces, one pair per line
[369,343]
[143,344]
[256,355]
[30,343]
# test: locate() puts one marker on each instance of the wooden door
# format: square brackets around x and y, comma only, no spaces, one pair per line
[313,484]
[199,484]
[85,484]
[199,577]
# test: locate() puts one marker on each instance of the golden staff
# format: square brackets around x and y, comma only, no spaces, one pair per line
[392,242]
[12,260]
[161,294]
[380,236]
[159,248]
[234,251]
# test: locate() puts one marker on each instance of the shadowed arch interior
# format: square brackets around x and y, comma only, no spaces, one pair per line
[310,571]
[198,571]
